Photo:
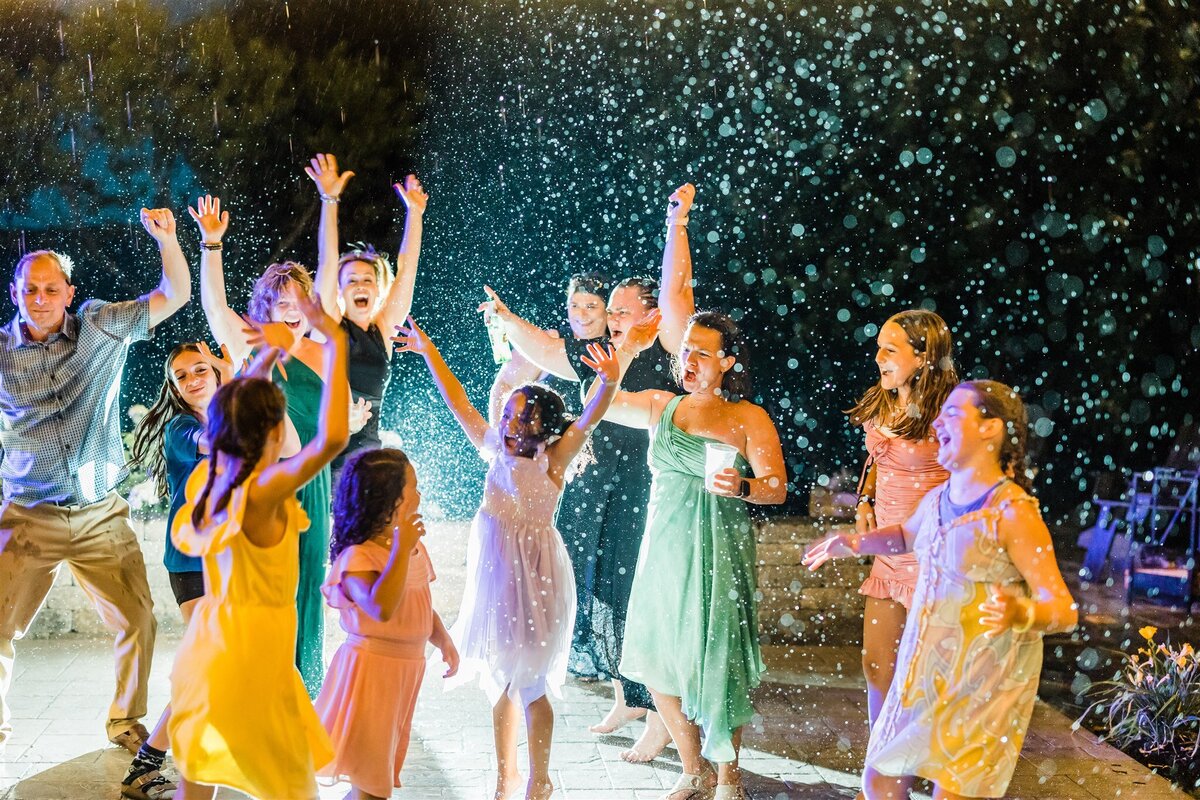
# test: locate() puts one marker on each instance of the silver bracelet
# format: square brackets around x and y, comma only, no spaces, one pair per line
[683,221]
[330,198]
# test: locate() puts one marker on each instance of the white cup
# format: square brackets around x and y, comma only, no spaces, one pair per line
[717,456]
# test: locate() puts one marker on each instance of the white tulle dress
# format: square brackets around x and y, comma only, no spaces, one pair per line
[514,627]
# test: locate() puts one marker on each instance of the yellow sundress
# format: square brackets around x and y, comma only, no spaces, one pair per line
[240,716]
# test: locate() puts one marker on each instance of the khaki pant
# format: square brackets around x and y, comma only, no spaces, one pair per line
[99,545]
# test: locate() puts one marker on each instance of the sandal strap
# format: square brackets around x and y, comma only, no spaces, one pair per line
[692,783]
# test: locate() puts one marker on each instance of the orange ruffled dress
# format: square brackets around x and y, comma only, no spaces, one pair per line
[905,471]
[240,716]
[371,688]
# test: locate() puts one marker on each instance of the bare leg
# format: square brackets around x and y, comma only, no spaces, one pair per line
[728,773]
[539,722]
[159,739]
[619,715]
[684,732]
[883,625]
[877,786]
[358,794]
[505,729]
[655,737]
[194,791]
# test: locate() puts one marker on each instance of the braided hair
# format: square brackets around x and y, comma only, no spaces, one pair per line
[368,492]
[995,400]
[242,415]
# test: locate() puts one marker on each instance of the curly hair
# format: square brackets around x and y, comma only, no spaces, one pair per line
[147,449]
[272,282]
[550,410]
[929,336]
[241,416]
[371,487]
[996,400]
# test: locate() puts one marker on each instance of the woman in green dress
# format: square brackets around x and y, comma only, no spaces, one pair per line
[276,319]
[692,631]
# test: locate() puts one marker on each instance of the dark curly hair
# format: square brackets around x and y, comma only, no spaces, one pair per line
[241,416]
[370,489]
[550,410]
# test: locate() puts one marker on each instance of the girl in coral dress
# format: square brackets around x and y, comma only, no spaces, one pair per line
[989,588]
[240,716]
[916,373]
[380,585]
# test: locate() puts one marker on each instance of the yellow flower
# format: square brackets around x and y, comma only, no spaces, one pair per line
[1148,632]
[1186,651]
[1181,661]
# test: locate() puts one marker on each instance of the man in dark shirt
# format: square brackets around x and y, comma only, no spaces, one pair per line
[61,456]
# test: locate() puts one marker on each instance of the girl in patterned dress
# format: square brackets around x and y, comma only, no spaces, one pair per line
[989,589]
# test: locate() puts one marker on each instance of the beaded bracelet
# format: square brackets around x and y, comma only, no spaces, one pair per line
[330,198]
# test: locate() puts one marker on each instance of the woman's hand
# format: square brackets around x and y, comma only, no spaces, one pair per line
[413,194]
[1002,611]
[412,339]
[210,219]
[360,414]
[837,546]
[267,359]
[864,517]
[268,334]
[494,307]
[680,204]
[222,365]
[644,334]
[323,170]
[318,320]
[159,223]
[727,483]
[603,361]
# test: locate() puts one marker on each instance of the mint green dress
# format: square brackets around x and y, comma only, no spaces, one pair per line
[692,630]
[303,391]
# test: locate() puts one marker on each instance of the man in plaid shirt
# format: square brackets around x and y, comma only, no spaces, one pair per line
[61,457]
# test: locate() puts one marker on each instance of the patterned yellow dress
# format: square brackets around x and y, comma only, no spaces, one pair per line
[959,706]
[240,716]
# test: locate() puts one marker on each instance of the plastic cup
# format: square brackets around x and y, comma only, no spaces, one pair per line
[717,456]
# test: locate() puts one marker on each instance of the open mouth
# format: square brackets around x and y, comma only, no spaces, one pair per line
[361,303]
[293,325]
[943,439]
[689,374]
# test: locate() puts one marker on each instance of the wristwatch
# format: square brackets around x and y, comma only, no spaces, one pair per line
[744,489]
[866,498]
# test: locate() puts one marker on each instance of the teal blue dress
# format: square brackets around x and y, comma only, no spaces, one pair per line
[692,630]
[303,391]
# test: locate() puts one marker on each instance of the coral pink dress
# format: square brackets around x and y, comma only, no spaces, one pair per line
[367,701]
[905,471]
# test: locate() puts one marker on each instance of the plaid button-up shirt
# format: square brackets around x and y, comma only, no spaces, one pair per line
[60,422]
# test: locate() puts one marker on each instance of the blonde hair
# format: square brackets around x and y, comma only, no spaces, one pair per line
[272,282]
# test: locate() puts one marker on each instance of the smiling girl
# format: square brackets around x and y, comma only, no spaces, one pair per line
[989,588]
[916,373]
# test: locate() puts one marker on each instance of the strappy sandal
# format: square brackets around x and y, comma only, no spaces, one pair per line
[729,791]
[695,785]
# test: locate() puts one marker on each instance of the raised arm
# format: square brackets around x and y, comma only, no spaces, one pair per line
[765,454]
[379,594]
[413,340]
[330,183]
[223,321]
[398,302]
[175,288]
[676,297]
[283,479]
[546,351]
[1050,607]
[603,361]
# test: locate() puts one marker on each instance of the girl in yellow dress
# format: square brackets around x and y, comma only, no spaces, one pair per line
[988,589]
[240,714]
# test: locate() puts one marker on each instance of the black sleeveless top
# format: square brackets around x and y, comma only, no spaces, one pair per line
[370,368]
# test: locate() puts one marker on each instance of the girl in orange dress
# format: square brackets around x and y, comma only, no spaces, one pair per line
[989,588]
[240,716]
[380,585]
[916,373]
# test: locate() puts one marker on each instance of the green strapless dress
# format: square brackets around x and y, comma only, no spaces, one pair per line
[303,391]
[692,630]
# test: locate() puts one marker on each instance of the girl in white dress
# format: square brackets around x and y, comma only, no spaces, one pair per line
[514,626]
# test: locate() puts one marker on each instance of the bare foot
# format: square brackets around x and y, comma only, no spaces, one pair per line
[508,785]
[539,791]
[650,744]
[618,717]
